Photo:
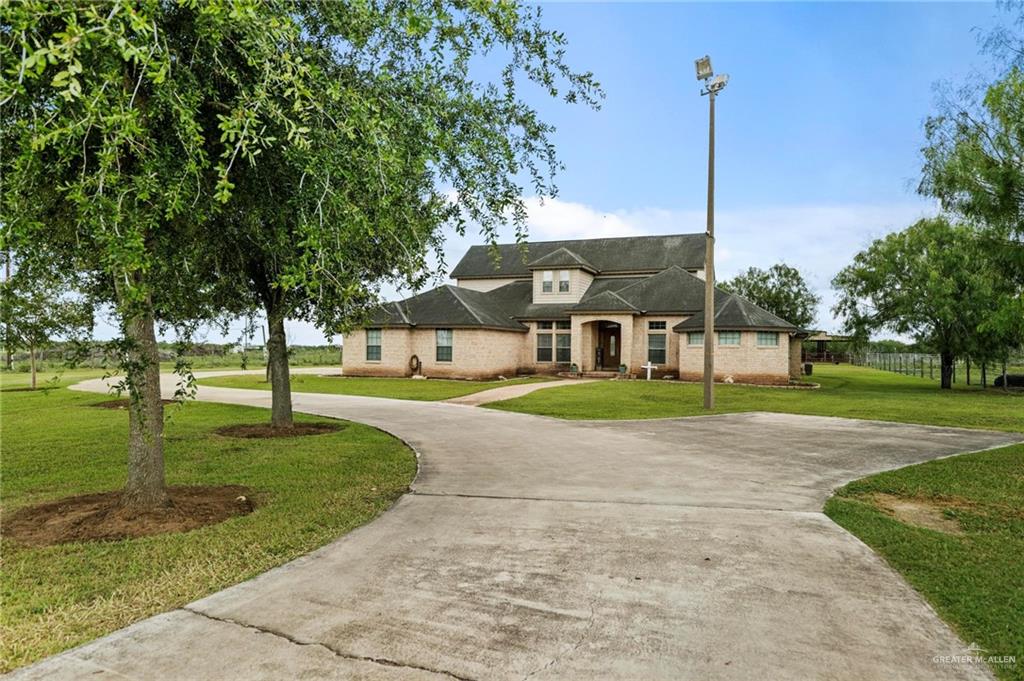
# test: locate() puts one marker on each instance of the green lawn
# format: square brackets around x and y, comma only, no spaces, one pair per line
[398,388]
[852,392]
[974,580]
[309,490]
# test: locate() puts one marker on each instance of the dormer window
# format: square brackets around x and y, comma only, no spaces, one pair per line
[563,281]
[547,283]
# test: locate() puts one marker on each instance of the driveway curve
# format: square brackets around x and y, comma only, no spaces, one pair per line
[533,548]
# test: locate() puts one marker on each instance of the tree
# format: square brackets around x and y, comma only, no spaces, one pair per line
[972,165]
[132,125]
[312,233]
[934,280]
[780,289]
[120,125]
[38,306]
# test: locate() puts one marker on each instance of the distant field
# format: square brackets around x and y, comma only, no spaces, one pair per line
[397,388]
[848,391]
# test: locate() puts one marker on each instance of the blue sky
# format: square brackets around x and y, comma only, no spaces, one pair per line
[818,132]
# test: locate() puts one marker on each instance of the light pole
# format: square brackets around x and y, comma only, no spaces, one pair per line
[711,86]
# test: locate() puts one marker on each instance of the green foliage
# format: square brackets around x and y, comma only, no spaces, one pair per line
[408,137]
[934,280]
[780,289]
[972,165]
[38,306]
[310,490]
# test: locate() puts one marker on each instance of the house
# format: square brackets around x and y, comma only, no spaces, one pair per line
[598,304]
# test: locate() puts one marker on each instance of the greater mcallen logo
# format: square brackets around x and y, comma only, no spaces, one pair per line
[975,654]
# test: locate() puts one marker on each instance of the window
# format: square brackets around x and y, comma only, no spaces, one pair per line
[563,281]
[767,339]
[695,338]
[563,324]
[548,278]
[656,348]
[656,326]
[444,345]
[543,347]
[373,345]
[728,337]
[544,325]
[563,347]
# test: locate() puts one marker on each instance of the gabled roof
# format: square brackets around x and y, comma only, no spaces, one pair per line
[561,257]
[607,301]
[614,255]
[447,306]
[671,290]
[735,313]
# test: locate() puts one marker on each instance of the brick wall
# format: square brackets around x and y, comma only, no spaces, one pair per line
[476,353]
[639,345]
[746,363]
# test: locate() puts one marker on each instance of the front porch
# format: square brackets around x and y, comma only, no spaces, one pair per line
[601,343]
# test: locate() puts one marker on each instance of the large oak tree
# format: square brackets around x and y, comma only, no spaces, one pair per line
[934,280]
[135,133]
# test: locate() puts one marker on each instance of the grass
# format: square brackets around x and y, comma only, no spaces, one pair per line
[310,490]
[398,388]
[974,580]
[847,391]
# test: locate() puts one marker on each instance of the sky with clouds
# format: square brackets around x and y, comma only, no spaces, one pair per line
[818,132]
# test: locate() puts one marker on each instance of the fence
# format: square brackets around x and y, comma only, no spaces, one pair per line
[929,366]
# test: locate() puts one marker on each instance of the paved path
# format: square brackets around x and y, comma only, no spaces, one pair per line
[507,392]
[532,548]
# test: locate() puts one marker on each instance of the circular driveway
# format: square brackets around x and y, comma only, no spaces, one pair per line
[533,548]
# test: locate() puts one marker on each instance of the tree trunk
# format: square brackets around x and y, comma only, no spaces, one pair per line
[280,381]
[145,489]
[984,375]
[32,362]
[947,370]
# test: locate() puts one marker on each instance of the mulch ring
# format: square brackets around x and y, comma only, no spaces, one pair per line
[101,517]
[120,404]
[265,430]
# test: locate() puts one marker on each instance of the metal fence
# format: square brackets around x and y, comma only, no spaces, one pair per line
[929,366]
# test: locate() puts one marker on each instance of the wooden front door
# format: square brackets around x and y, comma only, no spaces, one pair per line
[609,346]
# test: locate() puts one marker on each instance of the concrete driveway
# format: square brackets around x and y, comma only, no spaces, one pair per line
[532,548]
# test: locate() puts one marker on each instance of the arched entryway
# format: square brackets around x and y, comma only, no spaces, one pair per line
[601,345]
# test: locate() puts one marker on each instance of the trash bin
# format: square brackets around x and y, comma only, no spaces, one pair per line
[808,368]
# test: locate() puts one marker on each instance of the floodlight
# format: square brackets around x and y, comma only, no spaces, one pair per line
[718,82]
[703,67]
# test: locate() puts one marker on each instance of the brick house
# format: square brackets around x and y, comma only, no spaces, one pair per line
[598,304]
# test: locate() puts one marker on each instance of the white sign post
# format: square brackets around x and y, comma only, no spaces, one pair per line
[648,366]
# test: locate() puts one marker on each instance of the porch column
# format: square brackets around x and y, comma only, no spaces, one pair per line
[576,352]
[626,338]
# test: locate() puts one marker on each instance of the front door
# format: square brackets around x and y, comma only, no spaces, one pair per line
[609,342]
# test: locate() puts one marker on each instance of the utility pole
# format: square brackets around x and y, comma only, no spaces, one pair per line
[712,85]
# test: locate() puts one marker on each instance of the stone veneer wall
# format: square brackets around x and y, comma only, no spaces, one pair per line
[639,344]
[476,353]
[746,363]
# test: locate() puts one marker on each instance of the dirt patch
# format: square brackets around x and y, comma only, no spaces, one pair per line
[100,517]
[265,430]
[918,512]
[121,404]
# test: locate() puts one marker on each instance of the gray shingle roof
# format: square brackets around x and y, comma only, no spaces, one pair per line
[447,306]
[670,291]
[607,301]
[561,257]
[618,254]
[736,313]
